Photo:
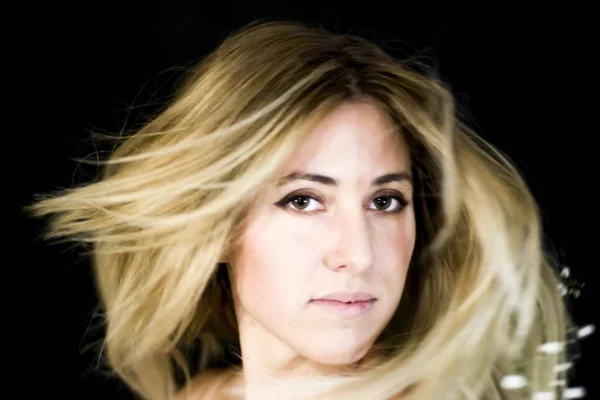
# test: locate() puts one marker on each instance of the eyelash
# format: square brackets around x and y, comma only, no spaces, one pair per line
[283,203]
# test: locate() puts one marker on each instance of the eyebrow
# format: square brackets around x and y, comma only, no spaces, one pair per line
[326,180]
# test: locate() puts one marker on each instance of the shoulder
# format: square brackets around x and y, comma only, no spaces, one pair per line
[205,385]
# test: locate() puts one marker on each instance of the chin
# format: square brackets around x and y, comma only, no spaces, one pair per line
[336,355]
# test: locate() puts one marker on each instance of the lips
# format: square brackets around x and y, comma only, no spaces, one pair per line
[345,309]
[345,304]
[348,297]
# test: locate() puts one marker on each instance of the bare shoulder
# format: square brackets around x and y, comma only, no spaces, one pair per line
[205,386]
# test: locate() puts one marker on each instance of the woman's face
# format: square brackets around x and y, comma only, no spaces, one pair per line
[339,219]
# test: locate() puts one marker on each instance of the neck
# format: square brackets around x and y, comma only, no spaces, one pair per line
[268,364]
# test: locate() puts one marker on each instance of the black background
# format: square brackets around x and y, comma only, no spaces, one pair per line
[526,79]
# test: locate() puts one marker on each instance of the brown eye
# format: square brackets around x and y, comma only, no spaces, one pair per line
[383,202]
[390,203]
[300,202]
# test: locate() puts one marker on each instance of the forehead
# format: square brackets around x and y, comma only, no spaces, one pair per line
[356,138]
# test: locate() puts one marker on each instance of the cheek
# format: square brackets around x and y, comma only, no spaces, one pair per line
[276,259]
[396,242]
[406,237]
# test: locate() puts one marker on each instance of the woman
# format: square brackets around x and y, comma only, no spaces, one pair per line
[314,203]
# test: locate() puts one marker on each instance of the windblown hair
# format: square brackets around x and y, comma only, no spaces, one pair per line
[481,295]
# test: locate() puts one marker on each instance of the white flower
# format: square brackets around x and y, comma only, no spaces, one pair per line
[551,347]
[543,396]
[586,331]
[563,367]
[562,289]
[513,382]
[574,393]
[560,382]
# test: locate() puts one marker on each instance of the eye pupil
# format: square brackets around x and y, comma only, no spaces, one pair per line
[301,202]
[382,202]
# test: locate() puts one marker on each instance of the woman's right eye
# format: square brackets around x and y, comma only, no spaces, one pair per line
[303,202]
[300,202]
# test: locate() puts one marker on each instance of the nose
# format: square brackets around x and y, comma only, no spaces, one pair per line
[351,247]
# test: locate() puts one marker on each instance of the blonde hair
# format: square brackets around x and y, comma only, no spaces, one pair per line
[481,295]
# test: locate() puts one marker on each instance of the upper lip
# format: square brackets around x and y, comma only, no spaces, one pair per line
[348,297]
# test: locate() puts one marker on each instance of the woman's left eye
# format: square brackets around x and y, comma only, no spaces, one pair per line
[390,202]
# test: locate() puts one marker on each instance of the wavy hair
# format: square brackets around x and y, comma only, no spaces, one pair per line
[481,294]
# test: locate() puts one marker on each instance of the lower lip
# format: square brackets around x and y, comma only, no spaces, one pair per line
[347,310]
